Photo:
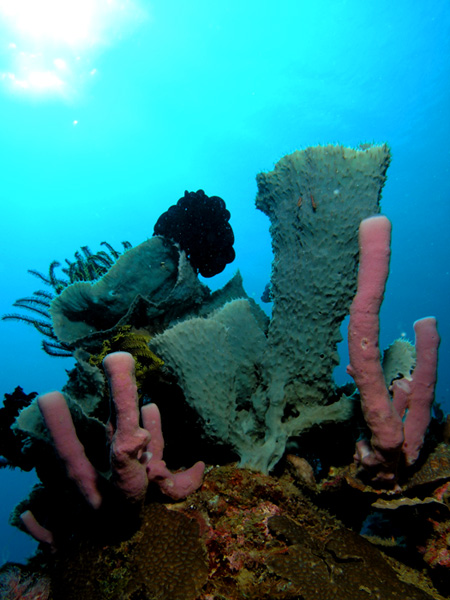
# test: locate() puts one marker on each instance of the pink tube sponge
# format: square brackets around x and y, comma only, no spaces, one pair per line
[398,425]
[175,485]
[363,344]
[135,452]
[36,530]
[59,422]
[128,440]
[416,395]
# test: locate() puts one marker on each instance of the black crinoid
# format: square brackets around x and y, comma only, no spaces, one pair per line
[86,267]
[199,224]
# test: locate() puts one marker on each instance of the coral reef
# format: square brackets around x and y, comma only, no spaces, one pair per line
[164,559]
[411,525]
[115,521]
[341,566]
[19,583]
[242,535]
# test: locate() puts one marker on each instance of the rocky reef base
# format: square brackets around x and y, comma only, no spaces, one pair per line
[242,535]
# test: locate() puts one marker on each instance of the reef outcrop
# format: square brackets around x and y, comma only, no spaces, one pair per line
[248,394]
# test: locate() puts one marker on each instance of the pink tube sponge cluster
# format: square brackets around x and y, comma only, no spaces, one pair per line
[398,424]
[136,453]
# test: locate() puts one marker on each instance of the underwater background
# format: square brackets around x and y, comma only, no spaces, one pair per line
[110,110]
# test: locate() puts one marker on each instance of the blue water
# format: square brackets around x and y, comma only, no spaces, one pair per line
[108,114]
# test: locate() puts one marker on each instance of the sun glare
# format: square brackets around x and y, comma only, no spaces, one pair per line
[46,38]
[69,21]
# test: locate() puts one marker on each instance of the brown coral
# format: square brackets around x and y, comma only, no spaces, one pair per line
[164,560]
[345,566]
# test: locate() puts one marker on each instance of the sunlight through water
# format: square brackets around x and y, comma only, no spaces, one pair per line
[49,45]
